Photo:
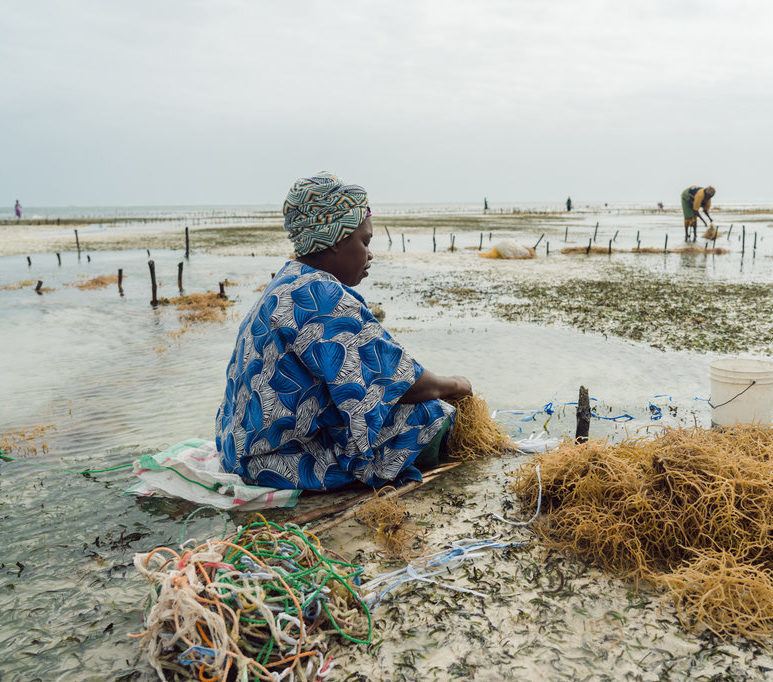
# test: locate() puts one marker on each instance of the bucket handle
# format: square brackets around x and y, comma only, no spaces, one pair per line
[754,381]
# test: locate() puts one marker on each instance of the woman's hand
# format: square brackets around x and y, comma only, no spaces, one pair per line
[430,386]
[459,387]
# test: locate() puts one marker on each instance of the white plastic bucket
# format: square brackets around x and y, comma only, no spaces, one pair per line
[741,391]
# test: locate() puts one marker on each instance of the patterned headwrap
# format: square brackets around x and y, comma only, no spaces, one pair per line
[321,211]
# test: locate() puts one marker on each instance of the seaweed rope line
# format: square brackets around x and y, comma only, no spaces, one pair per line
[259,607]
[465,549]
[462,550]
[737,395]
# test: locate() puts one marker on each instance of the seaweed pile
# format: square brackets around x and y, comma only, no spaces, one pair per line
[475,434]
[690,511]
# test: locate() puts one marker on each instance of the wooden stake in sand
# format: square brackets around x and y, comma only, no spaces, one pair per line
[590,242]
[539,240]
[480,244]
[610,246]
[389,236]
[434,241]
[187,246]
[566,233]
[222,290]
[453,239]
[180,276]
[583,416]
[665,246]
[88,258]
[29,262]
[615,237]
[59,258]
[595,232]
[743,239]
[120,281]
[37,288]
[77,244]
[403,238]
[153,286]
[547,248]
[729,232]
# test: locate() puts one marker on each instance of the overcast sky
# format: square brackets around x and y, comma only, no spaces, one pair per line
[228,101]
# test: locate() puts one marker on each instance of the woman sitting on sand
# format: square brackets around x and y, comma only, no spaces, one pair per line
[318,394]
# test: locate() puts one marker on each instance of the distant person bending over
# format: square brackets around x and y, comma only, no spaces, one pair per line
[693,200]
[318,393]
[569,203]
[17,210]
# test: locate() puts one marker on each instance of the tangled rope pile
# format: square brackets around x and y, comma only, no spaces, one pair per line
[689,511]
[259,603]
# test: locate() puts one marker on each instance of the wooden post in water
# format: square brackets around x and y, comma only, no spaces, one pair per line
[180,276]
[389,236]
[595,232]
[610,246]
[754,251]
[402,235]
[148,250]
[743,239]
[77,244]
[153,286]
[29,262]
[88,258]
[566,233]
[583,416]
[37,288]
[615,237]
[729,231]
[489,236]
[453,239]
[59,257]
[222,290]
[480,244]
[187,246]
[665,246]
[539,240]
[547,248]
[587,251]
[120,281]
[434,242]
[637,236]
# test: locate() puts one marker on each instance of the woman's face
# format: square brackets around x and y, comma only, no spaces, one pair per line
[352,255]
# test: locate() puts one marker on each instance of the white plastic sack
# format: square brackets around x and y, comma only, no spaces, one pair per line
[535,443]
[192,471]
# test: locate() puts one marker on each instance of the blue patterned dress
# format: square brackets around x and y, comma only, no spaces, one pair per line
[312,391]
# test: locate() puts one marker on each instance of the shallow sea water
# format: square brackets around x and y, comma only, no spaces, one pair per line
[104,371]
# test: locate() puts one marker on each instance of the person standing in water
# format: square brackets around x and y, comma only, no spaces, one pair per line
[694,199]
[17,210]
[569,203]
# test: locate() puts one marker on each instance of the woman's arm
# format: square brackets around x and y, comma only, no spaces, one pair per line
[430,386]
